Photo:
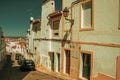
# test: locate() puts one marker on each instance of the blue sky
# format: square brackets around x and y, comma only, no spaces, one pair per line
[15,14]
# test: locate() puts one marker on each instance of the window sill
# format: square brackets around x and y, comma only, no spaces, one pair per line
[86,29]
[56,37]
[83,78]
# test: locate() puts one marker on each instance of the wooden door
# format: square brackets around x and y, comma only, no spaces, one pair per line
[51,54]
[86,58]
[67,53]
[118,68]
[58,55]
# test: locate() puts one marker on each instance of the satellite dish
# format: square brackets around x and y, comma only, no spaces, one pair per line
[31,18]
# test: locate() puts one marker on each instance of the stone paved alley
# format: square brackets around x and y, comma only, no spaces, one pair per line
[11,72]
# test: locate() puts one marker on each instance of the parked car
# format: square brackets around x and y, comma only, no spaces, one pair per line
[17,56]
[20,60]
[27,65]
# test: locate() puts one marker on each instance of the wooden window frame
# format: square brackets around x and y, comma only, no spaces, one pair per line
[53,33]
[118,68]
[64,49]
[52,55]
[92,20]
[58,64]
[91,66]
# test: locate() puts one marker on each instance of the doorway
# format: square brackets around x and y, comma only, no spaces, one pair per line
[67,61]
[85,65]
[118,68]
[51,54]
[58,63]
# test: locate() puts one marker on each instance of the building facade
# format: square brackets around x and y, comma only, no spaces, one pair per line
[49,41]
[2,49]
[84,45]
[94,43]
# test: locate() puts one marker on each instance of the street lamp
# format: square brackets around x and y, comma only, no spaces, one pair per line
[66,13]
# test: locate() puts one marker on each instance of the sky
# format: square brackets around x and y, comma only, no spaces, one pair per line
[15,15]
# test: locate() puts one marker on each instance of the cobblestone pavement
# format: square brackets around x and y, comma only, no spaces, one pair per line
[11,72]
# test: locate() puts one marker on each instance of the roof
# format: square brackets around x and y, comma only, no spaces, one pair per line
[55,14]
[36,21]
[45,1]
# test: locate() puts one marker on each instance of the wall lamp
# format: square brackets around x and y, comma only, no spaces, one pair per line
[66,13]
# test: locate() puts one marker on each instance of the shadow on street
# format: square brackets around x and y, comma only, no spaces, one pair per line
[11,70]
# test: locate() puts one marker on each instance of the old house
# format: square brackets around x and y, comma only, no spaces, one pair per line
[37,33]
[50,44]
[2,49]
[81,41]
[92,47]
[32,38]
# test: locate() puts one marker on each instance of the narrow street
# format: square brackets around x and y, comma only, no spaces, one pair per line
[11,72]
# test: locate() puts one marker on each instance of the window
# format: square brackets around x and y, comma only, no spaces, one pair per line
[55,28]
[86,15]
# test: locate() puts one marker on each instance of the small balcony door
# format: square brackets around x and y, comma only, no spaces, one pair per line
[118,68]
[58,63]
[51,54]
[67,61]
[85,66]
